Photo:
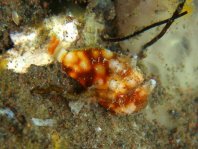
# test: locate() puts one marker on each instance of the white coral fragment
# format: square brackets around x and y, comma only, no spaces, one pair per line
[31,49]
[76,106]
[43,122]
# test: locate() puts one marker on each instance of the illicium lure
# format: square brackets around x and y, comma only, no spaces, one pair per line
[118,83]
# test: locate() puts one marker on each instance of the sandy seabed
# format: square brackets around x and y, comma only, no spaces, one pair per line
[43,109]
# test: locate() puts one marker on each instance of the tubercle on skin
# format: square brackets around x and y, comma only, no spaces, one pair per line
[119,86]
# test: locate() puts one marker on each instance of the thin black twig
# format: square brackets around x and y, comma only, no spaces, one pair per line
[142,30]
[177,14]
[167,26]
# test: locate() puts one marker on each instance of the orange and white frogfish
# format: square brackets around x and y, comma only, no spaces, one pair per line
[118,83]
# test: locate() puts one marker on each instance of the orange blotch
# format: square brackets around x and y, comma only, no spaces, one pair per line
[52,45]
[93,67]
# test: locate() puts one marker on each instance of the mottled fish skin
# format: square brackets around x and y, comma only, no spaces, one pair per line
[119,85]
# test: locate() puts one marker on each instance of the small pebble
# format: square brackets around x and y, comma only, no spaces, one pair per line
[7,112]
[15,17]
[98,129]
